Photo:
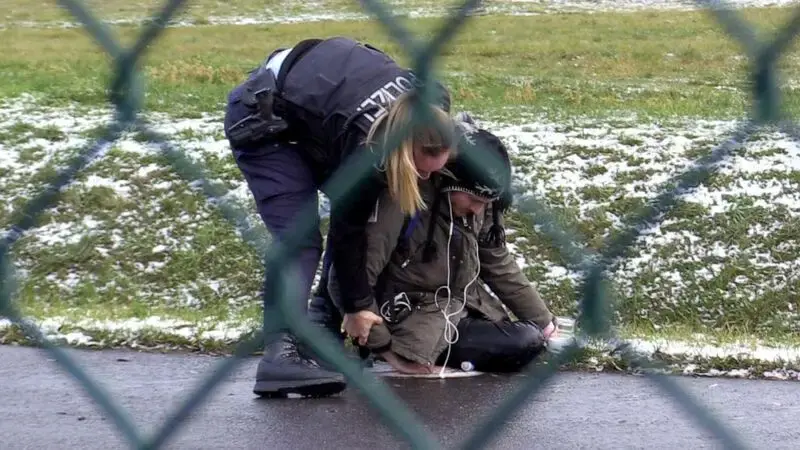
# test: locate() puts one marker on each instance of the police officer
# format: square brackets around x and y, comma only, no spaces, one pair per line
[297,119]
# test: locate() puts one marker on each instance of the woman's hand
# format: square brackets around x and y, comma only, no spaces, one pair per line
[403,365]
[550,331]
[358,325]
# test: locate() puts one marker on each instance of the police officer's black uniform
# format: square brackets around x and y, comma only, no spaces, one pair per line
[289,132]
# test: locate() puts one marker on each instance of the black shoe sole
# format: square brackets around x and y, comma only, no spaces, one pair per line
[308,388]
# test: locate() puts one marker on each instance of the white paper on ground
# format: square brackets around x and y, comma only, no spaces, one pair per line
[385,370]
[565,337]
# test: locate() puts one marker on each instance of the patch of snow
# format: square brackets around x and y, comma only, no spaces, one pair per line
[782,375]
[520,260]
[119,187]
[218,331]
[145,171]
[738,350]
[640,5]
[135,330]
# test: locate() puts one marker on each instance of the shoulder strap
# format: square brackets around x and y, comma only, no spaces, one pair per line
[372,47]
[294,55]
[408,227]
[409,224]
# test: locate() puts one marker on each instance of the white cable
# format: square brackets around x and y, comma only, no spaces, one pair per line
[449,325]
[447,285]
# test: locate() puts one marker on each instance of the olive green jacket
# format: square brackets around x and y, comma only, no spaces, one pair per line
[421,336]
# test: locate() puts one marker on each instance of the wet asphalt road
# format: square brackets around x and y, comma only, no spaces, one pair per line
[43,407]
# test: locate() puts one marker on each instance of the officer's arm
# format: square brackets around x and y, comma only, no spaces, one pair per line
[500,271]
[383,232]
[383,229]
[348,243]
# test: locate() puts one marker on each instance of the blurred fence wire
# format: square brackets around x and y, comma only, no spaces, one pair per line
[127,95]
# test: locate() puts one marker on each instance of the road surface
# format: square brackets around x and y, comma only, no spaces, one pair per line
[43,407]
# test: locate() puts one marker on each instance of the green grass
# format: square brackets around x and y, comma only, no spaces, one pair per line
[654,63]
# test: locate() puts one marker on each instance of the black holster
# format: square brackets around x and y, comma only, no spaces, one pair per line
[262,123]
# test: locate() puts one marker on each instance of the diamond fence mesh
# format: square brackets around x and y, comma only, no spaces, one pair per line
[595,305]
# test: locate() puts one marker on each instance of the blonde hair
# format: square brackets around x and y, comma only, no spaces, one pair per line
[401,173]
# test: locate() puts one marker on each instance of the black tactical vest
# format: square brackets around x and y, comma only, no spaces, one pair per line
[329,89]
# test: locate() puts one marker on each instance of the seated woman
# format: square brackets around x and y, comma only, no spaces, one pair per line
[430,275]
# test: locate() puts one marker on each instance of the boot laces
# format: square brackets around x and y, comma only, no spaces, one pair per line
[301,354]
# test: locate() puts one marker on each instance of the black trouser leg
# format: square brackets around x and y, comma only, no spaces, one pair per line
[321,310]
[502,346]
[282,185]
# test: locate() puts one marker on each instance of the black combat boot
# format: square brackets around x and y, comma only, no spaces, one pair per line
[284,370]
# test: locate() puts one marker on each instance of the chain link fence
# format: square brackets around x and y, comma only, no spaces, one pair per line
[595,305]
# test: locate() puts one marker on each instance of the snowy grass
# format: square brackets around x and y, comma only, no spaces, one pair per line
[726,257]
[129,232]
[134,255]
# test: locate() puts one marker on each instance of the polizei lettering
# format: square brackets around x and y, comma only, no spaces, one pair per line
[377,102]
